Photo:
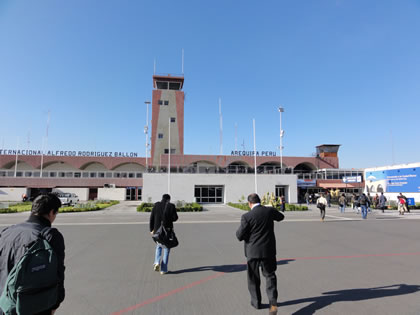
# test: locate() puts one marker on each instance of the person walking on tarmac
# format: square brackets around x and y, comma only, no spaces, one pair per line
[364,204]
[382,202]
[321,203]
[164,213]
[257,231]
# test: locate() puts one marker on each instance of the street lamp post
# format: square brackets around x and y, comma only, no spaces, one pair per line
[281,110]
[146,131]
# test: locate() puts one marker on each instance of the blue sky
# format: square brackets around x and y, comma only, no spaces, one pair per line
[346,72]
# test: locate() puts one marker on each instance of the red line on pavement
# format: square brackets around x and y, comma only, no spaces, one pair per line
[219,274]
[352,256]
[160,297]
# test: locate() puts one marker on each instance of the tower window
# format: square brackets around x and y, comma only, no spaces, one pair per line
[160,136]
[167,151]
[160,102]
[161,85]
[174,86]
[172,119]
[166,102]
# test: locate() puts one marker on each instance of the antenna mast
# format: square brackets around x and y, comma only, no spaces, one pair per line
[182,61]
[236,137]
[221,126]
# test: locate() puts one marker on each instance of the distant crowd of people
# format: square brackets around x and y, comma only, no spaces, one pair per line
[359,203]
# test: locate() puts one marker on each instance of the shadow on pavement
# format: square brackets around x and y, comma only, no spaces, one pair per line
[319,302]
[224,268]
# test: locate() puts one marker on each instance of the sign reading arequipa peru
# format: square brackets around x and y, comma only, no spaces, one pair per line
[69,153]
[251,153]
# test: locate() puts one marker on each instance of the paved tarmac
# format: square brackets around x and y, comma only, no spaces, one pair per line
[344,265]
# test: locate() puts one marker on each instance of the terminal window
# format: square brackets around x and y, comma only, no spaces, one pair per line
[208,194]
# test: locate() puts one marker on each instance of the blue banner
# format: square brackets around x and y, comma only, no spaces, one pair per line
[404,180]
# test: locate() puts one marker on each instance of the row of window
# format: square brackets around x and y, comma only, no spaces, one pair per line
[164,85]
[57,174]
[163,102]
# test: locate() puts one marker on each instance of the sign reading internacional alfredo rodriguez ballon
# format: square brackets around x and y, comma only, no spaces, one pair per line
[69,153]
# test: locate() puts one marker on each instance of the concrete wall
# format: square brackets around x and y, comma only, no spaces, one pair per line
[112,193]
[235,185]
[82,193]
[11,194]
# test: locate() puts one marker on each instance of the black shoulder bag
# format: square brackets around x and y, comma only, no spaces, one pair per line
[165,236]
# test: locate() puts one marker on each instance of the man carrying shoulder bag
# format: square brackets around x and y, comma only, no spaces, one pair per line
[163,214]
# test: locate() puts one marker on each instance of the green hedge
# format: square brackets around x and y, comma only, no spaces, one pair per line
[19,207]
[89,206]
[187,207]
[145,207]
[242,206]
[79,207]
[289,207]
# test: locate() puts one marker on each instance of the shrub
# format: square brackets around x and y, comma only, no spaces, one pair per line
[145,207]
[242,206]
[292,207]
[191,207]
[181,207]
[89,206]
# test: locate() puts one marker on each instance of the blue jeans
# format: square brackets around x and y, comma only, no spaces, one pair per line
[165,259]
[342,208]
[364,211]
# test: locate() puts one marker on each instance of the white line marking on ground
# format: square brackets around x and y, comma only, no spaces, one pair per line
[340,218]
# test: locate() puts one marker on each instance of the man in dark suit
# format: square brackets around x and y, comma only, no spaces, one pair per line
[257,230]
[163,212]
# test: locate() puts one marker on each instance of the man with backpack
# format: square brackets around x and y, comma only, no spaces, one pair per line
[364,204]
[32,262]
[382,202]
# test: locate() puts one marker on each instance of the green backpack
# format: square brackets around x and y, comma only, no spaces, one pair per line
[31,286]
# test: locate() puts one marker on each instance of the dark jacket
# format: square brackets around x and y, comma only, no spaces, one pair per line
[12,247]
[156,217]
[257,230]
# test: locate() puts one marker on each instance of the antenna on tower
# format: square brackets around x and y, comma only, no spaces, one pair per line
[221,126]
[236,137]
[182,61]
[29,139]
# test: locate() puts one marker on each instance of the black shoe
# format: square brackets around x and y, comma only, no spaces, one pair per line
[256,305]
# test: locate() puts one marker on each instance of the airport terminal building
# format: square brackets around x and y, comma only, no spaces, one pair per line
[200,178]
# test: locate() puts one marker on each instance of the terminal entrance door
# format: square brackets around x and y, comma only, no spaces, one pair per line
[130,193]
[208,194]
[281,191]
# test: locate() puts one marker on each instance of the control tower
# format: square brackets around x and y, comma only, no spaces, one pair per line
[167,114]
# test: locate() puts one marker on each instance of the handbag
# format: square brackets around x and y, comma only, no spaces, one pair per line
[165,236]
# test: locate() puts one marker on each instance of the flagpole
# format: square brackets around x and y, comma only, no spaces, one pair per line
[17,150]
[169,158]
[255,159]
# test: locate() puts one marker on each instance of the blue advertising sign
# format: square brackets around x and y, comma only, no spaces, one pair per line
[302,183]
[411,202]
[397,180]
